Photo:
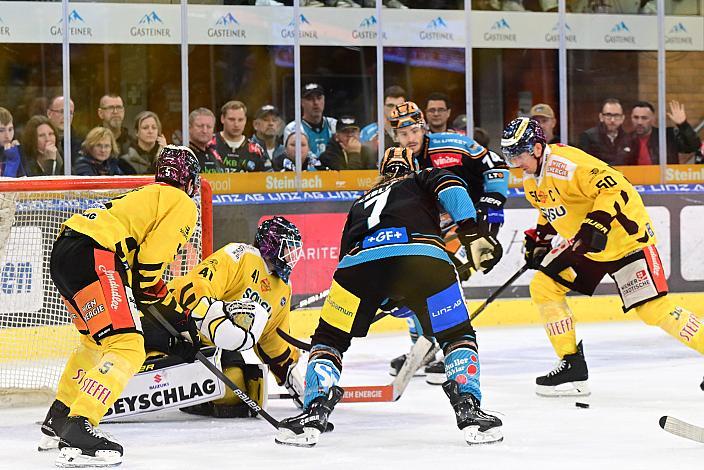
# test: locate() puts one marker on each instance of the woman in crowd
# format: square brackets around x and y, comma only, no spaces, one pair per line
[149,140]
[285,158]
[97,156]
[40,156]
[10,161]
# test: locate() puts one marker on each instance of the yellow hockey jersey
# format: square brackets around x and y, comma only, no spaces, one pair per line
[572,183]
[145,227]
[237,271]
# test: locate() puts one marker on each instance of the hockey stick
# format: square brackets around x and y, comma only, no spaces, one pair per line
[217,372]
[682,429]
[311,300]
[384,393]
[498,292]
[306,347]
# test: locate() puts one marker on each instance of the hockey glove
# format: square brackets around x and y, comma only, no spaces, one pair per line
[490,212]
[483,250]
[294,385]
[593,234]
[152,294]
[537,243]
[188,344]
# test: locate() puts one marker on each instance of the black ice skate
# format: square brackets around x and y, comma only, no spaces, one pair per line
[82,445]
[479,427]
[567,379]
[51,427]
[304,429]
[397,363]
[435,373]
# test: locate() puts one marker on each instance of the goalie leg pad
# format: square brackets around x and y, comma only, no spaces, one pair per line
[250,378]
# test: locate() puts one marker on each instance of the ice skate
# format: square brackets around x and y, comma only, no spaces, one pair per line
[435,373]
[567,379]
[479,427]
[83,445]
[51,427]
[304,429]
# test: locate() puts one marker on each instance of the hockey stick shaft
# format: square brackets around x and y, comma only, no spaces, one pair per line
[498,292]
[217,372]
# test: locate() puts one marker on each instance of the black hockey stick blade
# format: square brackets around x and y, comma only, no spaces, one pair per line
[217,372]
[682,429]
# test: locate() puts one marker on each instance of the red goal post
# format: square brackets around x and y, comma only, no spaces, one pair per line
[36,336]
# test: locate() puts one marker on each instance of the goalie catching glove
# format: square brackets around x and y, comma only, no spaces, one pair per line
[483,250]
[233,326]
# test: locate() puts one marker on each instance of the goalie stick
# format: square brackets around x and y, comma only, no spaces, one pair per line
[682,429]
[384,393]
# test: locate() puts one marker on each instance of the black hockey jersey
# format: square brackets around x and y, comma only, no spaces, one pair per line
[401,217]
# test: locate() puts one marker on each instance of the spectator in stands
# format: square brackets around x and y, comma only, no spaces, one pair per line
[238,153]
[318,128]
[111,112]
[437,112]
[481,136]
[10,159]
[393,96]
[545,116]
[55,112]
[201,128]
[149,140]
[40,155]
[680,139]
[268,126]
[345,151]
[98,154]
[608,141]
[285,157]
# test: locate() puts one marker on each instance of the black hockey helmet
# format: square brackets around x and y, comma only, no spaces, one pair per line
[279,243]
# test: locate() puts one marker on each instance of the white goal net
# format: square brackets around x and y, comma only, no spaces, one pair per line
[36,334]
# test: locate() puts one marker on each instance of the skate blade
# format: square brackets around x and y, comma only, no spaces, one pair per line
[567,389]
[473,436]
[436,379]
[308,438]
[48,443]
[72,457]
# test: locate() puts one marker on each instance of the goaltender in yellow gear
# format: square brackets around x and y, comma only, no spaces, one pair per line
[604,228]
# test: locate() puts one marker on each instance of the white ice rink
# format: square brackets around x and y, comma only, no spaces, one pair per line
[637,374]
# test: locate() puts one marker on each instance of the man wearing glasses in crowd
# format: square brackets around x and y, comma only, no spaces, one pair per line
[437,112]
[111,112]
[55,113]
[608,141]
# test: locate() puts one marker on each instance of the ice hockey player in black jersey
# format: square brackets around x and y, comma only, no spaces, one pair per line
[392,248]
[486,175]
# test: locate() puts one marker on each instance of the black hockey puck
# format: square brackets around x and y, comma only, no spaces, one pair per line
[701,385]
[579,404]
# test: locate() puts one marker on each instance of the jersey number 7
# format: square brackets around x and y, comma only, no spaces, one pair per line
[378,202]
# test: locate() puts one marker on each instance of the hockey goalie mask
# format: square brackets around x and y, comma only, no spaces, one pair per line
[397,162]
[519,137]
[406,114]
[279,243]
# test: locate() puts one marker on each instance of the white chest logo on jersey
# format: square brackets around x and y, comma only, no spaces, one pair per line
[560,168]
[553,213]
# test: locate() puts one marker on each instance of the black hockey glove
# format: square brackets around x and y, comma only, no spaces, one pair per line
[537,243]
[490,212]
[188,344]
[483,250]
[593,234]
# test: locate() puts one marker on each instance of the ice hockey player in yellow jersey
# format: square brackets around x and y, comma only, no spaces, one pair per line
[603,228]
[106,262]
[232,280]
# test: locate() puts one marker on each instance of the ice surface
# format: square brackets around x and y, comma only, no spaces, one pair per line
[637,375]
